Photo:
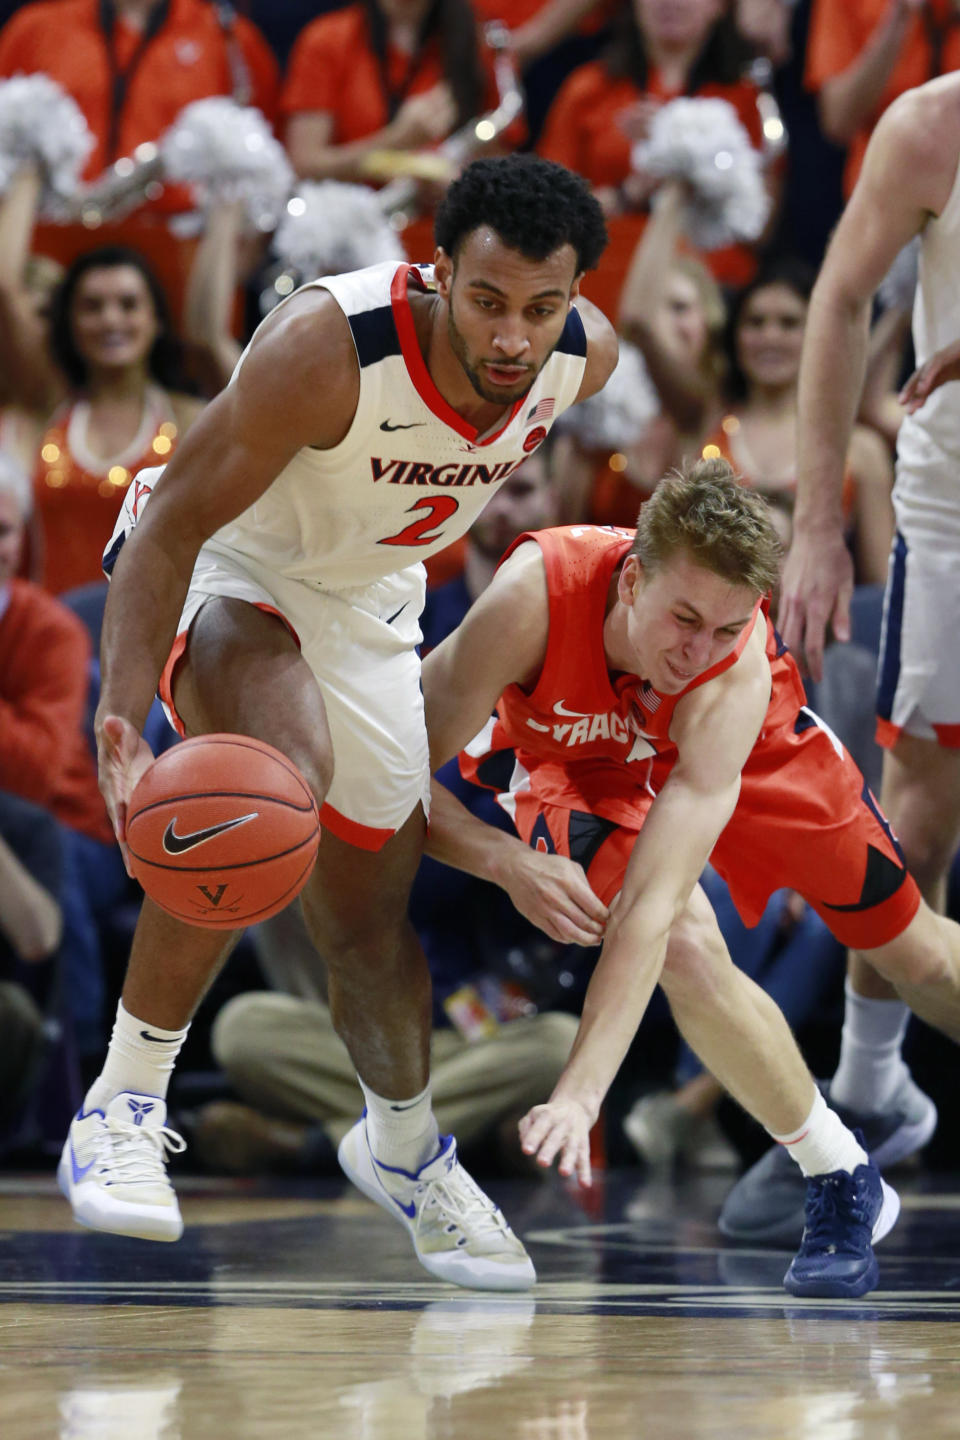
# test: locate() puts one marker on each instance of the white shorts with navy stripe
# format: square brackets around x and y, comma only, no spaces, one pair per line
[918,689]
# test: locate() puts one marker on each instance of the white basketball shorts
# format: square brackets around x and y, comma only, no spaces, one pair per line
[360,644]
[918,686]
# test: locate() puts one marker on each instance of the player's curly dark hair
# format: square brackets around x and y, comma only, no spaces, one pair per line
[534,205]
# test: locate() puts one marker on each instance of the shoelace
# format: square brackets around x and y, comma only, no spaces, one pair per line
[458,1197]
[135,1154]
[824,1209]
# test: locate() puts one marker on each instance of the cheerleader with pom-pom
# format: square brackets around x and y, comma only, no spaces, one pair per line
[372,95]
[607,108]
[131,66]
[665,393]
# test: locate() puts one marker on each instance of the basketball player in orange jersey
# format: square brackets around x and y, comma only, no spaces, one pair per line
[909,188]
[274,578]
[649,719]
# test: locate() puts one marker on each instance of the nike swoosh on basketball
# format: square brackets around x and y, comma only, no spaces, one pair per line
[414,425]
[175,844]
[561,709]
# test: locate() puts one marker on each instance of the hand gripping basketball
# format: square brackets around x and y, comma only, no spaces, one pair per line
[222,831]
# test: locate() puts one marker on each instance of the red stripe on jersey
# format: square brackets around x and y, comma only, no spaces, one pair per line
[417,366]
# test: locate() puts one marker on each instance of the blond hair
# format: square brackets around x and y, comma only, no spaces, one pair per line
[705,511]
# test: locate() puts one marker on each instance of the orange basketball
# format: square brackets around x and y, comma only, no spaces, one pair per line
[222,831]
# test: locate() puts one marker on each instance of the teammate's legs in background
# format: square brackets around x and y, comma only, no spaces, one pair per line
[921,798]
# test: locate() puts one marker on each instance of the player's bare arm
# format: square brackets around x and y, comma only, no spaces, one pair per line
[715,727]
[602,348]
[232,454]
[909,167]
[501,641]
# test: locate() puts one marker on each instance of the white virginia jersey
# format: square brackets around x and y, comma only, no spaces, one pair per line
[411,475]
[931,437]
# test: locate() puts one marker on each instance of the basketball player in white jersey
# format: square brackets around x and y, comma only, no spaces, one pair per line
[273,576]
[909,186]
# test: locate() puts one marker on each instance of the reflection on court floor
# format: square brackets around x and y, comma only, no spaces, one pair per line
[298,1311]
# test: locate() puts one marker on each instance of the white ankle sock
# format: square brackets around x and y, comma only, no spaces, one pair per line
[141,1058]
[871,1066]
[401,1132]
[823,1143]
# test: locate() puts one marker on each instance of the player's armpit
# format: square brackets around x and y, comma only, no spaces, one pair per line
[602,348]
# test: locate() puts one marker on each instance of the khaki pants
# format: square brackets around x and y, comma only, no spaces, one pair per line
[283,1056]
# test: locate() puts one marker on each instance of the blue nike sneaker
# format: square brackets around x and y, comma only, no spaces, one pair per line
[766,1206]
[845,1216]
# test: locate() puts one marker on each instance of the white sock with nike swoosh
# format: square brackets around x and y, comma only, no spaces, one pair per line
[402,1133]
[140,1059]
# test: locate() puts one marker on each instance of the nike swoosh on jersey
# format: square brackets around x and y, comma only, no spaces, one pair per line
[414,425]
[175,844]
[561,709]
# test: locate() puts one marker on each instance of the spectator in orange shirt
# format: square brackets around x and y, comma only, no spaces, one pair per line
[385,75]
[46,759]
[654,412]
[862,54]
[758,434]
[131,66]
[662,49]
[111,337]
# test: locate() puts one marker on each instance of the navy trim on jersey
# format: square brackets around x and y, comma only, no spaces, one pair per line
[586,833]
[111,555]
[573,337]
[375,335]
[892,627]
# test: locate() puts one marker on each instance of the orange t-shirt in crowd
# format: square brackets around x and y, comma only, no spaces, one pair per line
[189,58]
[333,70]
[515,13]
[77,498]
[839,30]
[44,754]
[581,132]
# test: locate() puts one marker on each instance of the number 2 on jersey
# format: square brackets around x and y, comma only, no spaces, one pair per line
[438,509]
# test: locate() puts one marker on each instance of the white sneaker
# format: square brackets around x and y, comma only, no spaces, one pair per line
[113,1169]
[458,1233]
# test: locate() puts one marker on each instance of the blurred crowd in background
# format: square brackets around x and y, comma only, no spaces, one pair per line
[172,169]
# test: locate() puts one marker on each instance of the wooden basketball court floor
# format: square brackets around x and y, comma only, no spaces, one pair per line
[291,1311]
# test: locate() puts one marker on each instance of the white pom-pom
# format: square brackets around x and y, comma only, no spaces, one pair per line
[896,289]
[703,143]
[41,124]
[329,227]
[229,153]
[617,416]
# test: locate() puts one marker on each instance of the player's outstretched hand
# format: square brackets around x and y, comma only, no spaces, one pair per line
[561,1127]
[941,368]
[122,756]
[555,895]
[815,592]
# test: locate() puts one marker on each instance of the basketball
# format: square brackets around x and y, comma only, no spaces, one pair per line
[222,831]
